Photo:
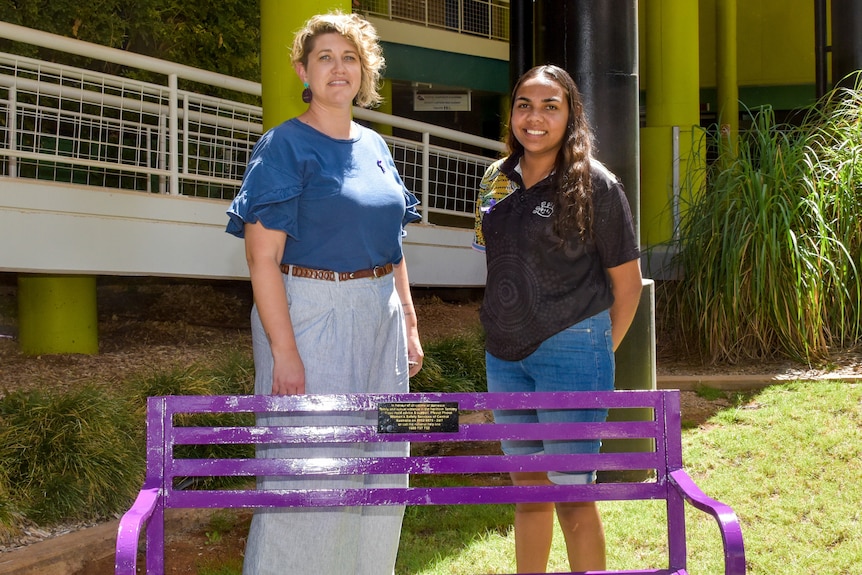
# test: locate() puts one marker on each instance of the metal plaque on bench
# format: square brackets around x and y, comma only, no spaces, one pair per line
[417,417]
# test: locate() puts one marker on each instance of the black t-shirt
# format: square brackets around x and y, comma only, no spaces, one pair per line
[536,288]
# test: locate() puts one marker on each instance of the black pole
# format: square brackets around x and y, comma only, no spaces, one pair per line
[596,42]
[520,39]
[846,41]
[820,47]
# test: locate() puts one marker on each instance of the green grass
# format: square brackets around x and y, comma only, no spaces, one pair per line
[230,568]
[798,447]
[788,459]
[709,393]
[455,539]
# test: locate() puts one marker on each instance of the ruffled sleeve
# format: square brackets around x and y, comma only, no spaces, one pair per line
[267,195]
[411,214]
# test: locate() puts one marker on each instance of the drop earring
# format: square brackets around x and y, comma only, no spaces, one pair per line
[306,93]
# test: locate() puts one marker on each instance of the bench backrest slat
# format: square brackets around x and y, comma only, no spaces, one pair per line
[467,432]
[416,465]
[368,402]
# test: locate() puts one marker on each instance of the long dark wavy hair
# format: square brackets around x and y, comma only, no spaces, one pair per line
[571,174]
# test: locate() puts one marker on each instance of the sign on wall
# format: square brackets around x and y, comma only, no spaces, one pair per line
[441,102]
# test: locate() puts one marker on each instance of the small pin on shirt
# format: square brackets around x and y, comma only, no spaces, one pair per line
[380,165]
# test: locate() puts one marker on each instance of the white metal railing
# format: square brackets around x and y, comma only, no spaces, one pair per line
[485,18]
[71,125]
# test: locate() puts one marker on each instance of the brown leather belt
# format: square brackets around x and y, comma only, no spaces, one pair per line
[329,275]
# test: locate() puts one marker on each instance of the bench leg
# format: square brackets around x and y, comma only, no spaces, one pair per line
[156,542]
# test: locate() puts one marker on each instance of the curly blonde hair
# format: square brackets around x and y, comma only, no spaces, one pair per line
[361,34]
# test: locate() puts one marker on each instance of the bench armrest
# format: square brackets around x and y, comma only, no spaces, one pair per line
[728,523]
[129,531]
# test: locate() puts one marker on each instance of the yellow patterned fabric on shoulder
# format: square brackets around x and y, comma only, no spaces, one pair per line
[494,187]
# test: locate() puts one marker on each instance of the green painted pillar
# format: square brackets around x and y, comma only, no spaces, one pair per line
[727,81]
[57,314]
[385,107]
[657,216]
[671,134]
[280,86]
[672,69]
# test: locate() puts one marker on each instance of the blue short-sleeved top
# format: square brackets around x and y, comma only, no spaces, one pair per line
[341,203]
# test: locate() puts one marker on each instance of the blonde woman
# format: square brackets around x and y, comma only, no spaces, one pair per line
[322,210]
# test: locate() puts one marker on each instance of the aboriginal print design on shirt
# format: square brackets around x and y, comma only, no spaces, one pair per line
[494,187]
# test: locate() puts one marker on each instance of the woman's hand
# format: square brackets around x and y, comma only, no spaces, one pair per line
[288,374]
[415,355]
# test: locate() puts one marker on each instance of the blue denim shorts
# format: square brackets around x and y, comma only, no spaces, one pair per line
[579,358]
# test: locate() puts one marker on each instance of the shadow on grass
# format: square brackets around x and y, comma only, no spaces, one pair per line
[435,534]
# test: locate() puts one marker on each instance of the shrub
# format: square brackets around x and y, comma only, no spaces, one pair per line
[10,517]
[453,364]
[75,454]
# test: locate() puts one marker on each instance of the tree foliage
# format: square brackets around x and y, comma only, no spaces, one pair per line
[219,36]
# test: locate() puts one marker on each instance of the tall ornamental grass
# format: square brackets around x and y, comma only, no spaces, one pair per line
[770,250]
[453,364]
[834,181]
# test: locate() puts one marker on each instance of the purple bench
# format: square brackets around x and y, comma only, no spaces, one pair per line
[419,418]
